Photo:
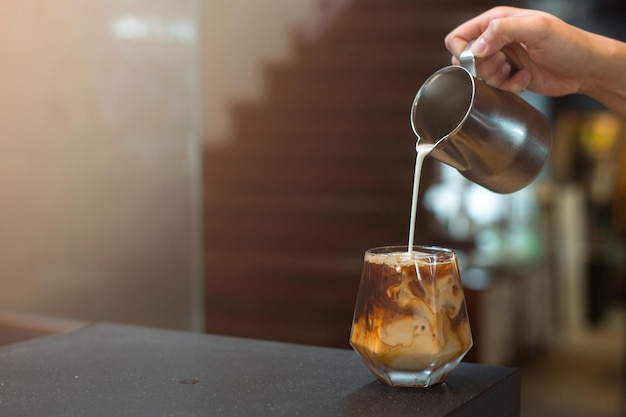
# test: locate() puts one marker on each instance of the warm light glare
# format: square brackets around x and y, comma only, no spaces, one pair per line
[137,28]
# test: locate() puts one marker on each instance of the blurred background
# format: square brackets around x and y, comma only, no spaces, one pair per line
[222,165]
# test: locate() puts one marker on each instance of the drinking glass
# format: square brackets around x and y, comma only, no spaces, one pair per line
[410,323]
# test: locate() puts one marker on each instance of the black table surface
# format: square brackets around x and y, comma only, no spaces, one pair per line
[108,369]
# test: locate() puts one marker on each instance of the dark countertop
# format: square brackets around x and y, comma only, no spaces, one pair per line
[121,370]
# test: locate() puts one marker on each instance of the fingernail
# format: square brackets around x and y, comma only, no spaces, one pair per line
[479,46]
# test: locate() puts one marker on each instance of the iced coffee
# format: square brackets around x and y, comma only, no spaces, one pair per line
[410,322]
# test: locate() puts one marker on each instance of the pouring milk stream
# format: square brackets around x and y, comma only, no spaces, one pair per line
[422,149]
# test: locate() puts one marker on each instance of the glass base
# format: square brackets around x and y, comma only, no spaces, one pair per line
[416,379]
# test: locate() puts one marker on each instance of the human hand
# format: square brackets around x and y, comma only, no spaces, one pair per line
[518,49]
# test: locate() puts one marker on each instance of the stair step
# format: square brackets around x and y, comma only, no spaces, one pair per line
[399,19]
[349,205]
[413,21]
[362,104]
[377,57]
[358,87]
[427,4]
[308,179]
[295,238]
[444,9]
[268,295]
[406,69]
[323,111]
[351,149]
[316,233]
[323,130]
[367,102]
[395,58]
[339,90]
[292,122]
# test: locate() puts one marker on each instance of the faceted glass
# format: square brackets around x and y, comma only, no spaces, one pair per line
[410,323]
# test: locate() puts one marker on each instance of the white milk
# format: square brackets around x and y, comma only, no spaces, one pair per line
[422,152]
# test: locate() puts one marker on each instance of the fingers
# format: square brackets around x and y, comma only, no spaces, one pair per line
[499,35]
[494,70]
[502,32]
[529,28]
[457,40]
[518,82]
[496,28]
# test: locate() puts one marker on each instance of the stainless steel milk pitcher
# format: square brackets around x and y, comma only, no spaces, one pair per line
[493,137]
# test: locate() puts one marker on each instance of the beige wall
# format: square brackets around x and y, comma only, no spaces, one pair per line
[102,106]
[238,38]
[99,186]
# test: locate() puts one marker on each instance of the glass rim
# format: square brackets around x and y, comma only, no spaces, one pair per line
[419,251]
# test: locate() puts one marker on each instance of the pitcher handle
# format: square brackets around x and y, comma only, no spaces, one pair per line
[467,59]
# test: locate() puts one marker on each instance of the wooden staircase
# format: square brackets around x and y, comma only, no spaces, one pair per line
[321,171]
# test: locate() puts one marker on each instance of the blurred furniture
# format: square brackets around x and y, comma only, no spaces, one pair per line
[509,311]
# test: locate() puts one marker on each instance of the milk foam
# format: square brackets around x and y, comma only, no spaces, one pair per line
[401,258]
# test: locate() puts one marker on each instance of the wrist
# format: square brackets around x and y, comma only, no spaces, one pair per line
[606,81]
